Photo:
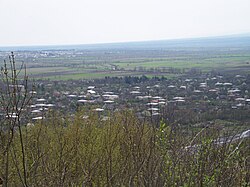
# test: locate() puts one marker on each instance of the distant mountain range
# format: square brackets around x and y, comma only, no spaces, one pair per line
[230,41]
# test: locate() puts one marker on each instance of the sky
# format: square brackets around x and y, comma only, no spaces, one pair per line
[57,22]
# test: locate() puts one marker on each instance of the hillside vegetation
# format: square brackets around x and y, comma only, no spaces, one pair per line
[122,151]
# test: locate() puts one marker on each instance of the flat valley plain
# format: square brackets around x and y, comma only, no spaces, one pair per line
[155,58]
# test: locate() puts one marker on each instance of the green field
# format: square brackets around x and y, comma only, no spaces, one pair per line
[99,64]
[208,63]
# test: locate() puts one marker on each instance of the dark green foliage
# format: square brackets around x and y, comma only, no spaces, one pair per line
[124,151]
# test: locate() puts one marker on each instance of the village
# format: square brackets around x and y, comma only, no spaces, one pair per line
[182,100]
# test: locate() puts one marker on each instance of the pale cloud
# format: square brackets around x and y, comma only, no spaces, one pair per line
[33,22]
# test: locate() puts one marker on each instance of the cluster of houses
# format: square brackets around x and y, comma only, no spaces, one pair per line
[148,98]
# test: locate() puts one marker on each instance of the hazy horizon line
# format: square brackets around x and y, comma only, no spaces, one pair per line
[131,41]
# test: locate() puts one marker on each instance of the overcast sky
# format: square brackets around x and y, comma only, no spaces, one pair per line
[42,22]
